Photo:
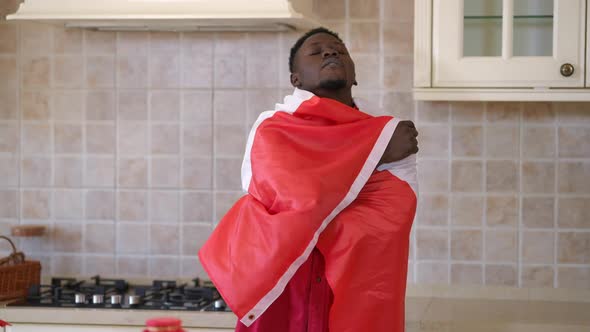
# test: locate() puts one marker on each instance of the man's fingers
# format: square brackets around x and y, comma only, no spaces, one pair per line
[409,123]
[409,127]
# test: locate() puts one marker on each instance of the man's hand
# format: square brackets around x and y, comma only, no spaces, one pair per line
[403,143]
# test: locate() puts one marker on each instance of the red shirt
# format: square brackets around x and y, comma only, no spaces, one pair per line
[304,305]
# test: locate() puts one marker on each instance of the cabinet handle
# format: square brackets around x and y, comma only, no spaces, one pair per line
[567,69]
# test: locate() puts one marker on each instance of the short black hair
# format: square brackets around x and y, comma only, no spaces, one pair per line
[302,40]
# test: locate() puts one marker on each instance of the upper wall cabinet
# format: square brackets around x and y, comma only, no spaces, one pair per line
[501,50]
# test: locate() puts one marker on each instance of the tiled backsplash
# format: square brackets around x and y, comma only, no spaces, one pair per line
[128,147]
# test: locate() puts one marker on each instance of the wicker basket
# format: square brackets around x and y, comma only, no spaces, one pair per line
[17,274]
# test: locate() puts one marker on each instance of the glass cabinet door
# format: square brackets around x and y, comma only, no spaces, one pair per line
[482,28]
[533,28]
[508,43]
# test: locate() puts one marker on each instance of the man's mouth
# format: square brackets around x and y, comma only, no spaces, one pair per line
[331,61]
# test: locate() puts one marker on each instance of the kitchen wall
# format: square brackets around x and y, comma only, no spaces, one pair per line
[128,147]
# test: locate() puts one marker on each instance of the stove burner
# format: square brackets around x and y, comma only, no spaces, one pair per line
[117,293]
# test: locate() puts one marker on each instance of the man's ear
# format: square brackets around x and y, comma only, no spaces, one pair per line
[295,80]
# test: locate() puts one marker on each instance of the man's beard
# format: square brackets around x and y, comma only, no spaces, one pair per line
[333,84]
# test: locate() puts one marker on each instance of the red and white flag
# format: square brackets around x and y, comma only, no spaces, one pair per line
[311,180]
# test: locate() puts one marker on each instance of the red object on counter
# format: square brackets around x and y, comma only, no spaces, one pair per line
[3,323]
[163,324]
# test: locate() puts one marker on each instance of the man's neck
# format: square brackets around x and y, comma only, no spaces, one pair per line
[342,95]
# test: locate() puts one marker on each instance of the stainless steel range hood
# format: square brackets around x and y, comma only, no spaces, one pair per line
[171,15]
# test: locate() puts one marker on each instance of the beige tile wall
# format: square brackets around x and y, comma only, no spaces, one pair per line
[128,147]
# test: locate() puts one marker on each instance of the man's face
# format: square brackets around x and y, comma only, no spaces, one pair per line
[322,63]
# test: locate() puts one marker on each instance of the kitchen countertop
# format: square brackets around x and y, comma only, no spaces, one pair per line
[119,317]
[428,308]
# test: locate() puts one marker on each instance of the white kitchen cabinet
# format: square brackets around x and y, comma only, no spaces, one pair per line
[500,50]
[91,328]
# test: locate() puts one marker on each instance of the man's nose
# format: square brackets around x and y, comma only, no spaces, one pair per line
[330,52]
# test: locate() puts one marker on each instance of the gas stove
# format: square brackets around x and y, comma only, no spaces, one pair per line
[98,292]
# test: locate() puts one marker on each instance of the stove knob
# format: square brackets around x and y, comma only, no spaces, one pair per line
[219,305]
[97,299]
[134,299]
[80,298]
[116,299]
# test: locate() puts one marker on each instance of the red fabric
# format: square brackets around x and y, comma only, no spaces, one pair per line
[303,166]
[304,305]
[367,248]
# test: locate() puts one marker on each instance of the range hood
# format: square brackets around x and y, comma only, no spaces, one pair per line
[171,15]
